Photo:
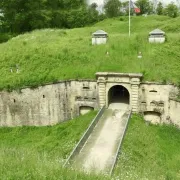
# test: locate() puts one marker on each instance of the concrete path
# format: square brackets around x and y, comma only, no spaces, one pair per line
[99,151]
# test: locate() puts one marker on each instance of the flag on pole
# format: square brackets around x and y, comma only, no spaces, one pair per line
[136,10]
[134,7]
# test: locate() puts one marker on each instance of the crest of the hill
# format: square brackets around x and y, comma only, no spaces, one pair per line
[49,55]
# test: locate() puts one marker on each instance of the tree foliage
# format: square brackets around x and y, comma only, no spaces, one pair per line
[171,10]
[112,8]
[145,6]
[26,15]
[160,8]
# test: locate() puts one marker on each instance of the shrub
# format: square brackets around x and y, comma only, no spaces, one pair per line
[5,37]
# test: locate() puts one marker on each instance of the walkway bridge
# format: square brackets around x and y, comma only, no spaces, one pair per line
[99,146]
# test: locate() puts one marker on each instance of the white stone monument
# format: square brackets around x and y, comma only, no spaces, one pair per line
[99,37]
[157,36]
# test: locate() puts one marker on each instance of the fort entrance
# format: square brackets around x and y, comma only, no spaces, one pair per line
[118,95]
[118,88]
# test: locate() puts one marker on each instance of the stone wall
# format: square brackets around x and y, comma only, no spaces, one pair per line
[47,105]
[157,39]
[174,112]
[151,99]
[155,103]
[99,40]
[54,103]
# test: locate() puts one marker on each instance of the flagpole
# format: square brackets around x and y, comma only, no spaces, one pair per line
[129,18]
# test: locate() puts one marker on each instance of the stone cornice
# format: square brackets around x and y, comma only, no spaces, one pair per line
[114,74]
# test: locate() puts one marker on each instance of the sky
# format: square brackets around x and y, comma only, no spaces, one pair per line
[100,2]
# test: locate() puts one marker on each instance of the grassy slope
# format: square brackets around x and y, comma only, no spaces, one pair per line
[39,152]
[149,152]
[51,55]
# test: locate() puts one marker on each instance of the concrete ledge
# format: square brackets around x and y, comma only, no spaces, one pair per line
[114,74]
[120,143]
[85,136]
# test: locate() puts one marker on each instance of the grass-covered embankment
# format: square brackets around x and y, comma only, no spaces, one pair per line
[51,54]
[39,152]
[149,152]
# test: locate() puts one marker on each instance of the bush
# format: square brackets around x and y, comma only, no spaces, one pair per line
[5,37]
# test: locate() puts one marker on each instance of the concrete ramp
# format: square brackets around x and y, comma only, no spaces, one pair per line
[100,150]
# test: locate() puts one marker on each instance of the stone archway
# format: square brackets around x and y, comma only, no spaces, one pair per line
[118,96]
[130,81]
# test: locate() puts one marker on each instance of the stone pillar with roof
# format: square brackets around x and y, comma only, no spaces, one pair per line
[99,37]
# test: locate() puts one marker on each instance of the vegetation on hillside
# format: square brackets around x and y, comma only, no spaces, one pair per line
[149,152]
[40,152]
[50,55]
[27,15]
[147,7]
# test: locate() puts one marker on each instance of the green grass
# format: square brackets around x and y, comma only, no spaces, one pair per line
[149,152]
[52,54]
[39,152]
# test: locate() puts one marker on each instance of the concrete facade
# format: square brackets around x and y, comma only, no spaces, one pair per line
[174,112]
[157,36]
[54,103]
[153,100]
[47,105]
[156,39]
[156,104]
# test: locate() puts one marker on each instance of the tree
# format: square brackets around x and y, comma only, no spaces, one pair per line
[93,6]
[23,15]
[171,10]
[150,8]
[145,6]
[159,8]
[112,8]
[26,15]
[93,14]
[125,9]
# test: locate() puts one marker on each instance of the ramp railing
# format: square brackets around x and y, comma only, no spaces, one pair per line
[85,136]
[120,143]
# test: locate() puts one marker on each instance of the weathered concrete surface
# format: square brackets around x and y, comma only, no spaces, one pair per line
[154,99]
[54,103]
[130,81]
[99,151]
[150,98]
[174,112]
[47,105]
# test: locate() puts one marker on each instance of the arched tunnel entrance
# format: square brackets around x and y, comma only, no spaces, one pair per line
[118,97]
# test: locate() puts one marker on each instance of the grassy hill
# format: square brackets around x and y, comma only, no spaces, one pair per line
[148,152]
[52,54]
[40,152]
